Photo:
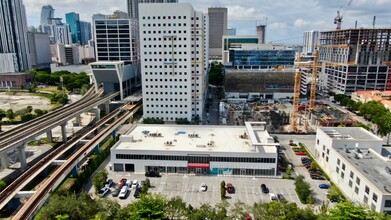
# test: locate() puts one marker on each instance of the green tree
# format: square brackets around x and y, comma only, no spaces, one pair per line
[108,208]
[222,190]
[362,125]
[176,208]
[147,207]
[99,180]
[281,210]
[349,211]
[239,210]
[147,182]
[302,189]
[62,217]
[10,114]
[2,185]
[38,112]
[384,126]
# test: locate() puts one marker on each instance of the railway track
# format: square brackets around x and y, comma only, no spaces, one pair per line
[34,202]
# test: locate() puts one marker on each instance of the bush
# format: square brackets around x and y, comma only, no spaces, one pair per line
[303,190]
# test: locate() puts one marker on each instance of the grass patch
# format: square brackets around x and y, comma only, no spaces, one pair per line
[67,184]
[52,89]
[304,148]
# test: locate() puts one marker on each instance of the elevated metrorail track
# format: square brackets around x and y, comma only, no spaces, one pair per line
[29,131]
[33,203]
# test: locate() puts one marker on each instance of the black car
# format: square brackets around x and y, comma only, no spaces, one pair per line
[280,197]
[317,177]
[152,174]
[264,188]
[115,192]
[137,192]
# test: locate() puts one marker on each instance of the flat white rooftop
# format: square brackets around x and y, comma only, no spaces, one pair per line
[205,138]
[349,133]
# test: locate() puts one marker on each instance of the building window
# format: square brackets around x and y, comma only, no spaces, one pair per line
[343,166]
[358,181]
[366,189]
[356,190]
[327,159]
[317,141]
[351,174]
[324,147]
[387,203]
[342,175]
[374,197]
[338,161]
[337,170]
[328,151]
[323,154]
[366,199]
[350,183]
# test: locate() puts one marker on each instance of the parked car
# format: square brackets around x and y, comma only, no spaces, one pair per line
[316,172]
[264,189]
[128,183]
[273,197]
[123,193]
[305,158]
[116,192]
[336,199]
[102,192]
[324,186]
[152,174]
[109,182]
[137,192]
[230,188]
[301,153]
[120,185]
[307,166]
[306,163]
[280,197]
[135,183]
[123,181]
[317,177]
[203,187]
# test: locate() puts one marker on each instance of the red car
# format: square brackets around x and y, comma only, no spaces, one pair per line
[301,153]
[230,188]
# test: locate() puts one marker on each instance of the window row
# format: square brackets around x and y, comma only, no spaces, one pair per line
[167,73]
[156,99]
[165,46]
[165,32]
[171,112]
[171,106]
[164,38]
[165,24]
[164,17]
[187,158]
[161,86]
[166,93]
[166,66]
[165,80]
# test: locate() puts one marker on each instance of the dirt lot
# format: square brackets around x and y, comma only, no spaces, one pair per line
[22,100]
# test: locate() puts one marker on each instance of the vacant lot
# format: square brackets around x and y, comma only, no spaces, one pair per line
[17,101]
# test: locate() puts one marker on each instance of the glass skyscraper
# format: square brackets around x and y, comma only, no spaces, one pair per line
[73,20]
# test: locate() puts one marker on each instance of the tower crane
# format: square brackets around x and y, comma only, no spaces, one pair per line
[339,17]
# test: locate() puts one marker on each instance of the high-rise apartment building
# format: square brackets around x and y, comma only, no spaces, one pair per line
[85,32]
[73,20]
[311,40]
[13,37]
[134,4]
[174,60]
[217,28]
[39,46]
[355,59]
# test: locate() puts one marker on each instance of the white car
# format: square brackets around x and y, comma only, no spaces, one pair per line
[273,197]
[203,187]
[102,192]
[123,192]
[135,182]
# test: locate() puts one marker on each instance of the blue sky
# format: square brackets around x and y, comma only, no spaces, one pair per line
[286,19]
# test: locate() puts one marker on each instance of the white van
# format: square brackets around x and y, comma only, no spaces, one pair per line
[123,192]
[273,197]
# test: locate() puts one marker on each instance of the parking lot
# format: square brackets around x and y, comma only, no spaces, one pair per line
[247,189]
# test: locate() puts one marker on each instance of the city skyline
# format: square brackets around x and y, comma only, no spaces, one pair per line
[287,20]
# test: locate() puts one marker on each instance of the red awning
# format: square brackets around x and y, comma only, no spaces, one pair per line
[198,165]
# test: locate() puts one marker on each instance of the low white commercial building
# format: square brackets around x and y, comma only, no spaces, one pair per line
[357,163]
[215,150]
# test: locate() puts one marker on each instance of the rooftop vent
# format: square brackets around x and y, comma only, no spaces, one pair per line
[200,146]
[193,135]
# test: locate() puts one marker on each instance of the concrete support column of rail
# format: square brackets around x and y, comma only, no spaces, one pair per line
[22,157]
[96,111]
[4,160]
[75,172]
[107,108]
[78,120]
[113,134]
[49,135]
[97,148]
[64,132]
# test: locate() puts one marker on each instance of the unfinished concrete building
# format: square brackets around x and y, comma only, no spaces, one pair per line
[330,117]
[355,59]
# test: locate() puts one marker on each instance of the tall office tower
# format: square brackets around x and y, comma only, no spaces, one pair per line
[14,54]
[174,60]
[47,12]
[73,20]
[61,34]
[217,28]
[311,40]
[261,33]
[133,5]
[355,59]
[85,32]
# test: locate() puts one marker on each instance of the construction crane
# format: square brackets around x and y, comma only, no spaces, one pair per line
[339,17]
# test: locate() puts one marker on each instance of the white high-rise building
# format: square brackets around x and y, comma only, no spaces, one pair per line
[174,60]
[311,39]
